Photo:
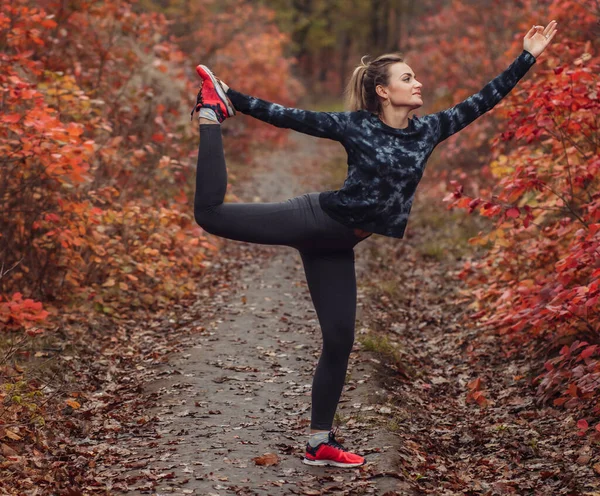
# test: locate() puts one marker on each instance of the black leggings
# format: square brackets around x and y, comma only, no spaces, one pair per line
[325,246]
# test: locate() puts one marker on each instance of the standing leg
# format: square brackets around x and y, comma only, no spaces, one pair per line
[332,284]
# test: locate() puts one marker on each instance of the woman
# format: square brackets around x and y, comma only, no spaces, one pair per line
[387,153]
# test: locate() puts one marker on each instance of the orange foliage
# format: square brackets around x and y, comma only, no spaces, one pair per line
[97,154]
[97,148]
[61,168]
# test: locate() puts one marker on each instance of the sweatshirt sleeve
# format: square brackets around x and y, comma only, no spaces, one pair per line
[330,125]
[450,121]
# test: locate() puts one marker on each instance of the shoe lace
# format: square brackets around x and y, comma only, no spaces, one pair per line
[333,442]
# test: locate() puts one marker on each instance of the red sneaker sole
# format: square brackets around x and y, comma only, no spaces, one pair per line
[331,463]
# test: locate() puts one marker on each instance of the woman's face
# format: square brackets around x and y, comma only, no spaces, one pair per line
[403,89]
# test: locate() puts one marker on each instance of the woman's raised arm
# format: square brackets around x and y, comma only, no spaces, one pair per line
[330,125]
[452,120]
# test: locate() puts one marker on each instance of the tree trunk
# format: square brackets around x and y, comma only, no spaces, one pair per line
[344,54]
[375,33]
[303,10]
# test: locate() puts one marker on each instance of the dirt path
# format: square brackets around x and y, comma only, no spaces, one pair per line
[243,388]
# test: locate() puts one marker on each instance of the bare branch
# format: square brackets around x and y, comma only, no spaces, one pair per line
[3,272]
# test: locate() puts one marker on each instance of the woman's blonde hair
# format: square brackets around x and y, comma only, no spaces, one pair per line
[360,92]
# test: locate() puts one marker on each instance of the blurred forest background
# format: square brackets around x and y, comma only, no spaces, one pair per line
[98,159]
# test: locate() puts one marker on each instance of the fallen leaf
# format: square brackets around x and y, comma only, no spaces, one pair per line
[73,404]
[13,435]
[583,459]
[266,459]
[8,451]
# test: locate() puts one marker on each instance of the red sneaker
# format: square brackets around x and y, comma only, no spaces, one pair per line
[212,95]
[331,453]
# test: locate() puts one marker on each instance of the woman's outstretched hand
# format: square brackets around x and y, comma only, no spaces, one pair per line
[538,38]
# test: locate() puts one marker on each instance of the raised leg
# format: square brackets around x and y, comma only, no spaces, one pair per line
[332,283]
[288,223]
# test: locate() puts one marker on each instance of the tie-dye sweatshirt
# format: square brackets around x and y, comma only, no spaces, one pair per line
[385,164]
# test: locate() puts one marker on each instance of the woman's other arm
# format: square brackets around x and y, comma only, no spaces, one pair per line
[452,120]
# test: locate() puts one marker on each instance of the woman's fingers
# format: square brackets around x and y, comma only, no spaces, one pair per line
[548,32]
[535,30]
[550,28]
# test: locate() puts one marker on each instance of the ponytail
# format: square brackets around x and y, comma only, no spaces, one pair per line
[355,92]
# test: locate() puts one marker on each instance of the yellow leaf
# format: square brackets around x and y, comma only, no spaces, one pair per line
[480,240]
[73,404]
[13,435]
[109,283]
[501,167]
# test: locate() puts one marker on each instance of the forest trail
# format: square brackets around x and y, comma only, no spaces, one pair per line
[243,389]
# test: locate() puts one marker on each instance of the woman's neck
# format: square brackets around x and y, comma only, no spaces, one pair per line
[395,117]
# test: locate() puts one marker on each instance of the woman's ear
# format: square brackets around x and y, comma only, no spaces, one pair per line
[381,91]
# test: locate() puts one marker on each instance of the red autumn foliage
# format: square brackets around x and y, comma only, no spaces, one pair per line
[538,282]
[18,313]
